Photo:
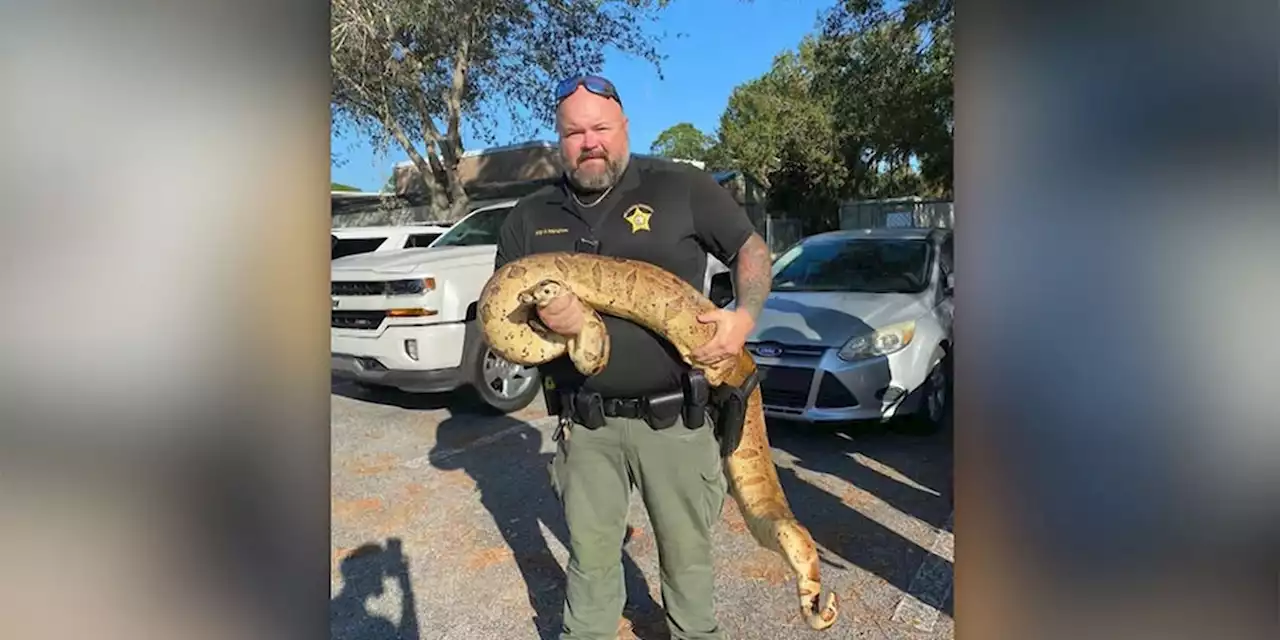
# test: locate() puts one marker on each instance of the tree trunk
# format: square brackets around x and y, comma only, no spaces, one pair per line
[455,194]
[426,172]
[451,143]
[436,194]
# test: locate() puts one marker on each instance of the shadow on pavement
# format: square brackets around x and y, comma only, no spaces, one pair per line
[512,477]
[363,573]
[851,536]
[869,455]
[460,401]
[840,528]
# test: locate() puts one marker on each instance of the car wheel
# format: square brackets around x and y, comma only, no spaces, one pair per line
[935,400]
[503,385]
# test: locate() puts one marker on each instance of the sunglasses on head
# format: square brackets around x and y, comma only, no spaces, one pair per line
[594,84]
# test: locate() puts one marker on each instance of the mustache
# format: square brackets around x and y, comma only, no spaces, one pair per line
[593,154]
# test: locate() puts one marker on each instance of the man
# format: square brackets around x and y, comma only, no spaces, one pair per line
[670,215]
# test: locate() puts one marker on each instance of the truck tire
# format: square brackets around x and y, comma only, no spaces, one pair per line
[502,386]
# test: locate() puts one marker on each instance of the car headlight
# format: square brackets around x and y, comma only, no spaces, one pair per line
[879,343]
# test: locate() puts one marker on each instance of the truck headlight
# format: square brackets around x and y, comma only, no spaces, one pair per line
[416,286]
[879,343]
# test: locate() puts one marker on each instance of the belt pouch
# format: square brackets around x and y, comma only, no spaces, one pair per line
[589,408]
[697,393]
[730,409]
[662,411]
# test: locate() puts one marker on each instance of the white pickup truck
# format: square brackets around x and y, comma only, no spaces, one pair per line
[348,241]
[405,318]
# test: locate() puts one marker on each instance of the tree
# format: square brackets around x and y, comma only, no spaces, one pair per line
[779,129]
[890,75]
[683,141]
[415,72]
[861,109]
[777,111]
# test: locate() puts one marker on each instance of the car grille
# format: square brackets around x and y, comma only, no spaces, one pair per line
[832,394]
[356,319]
[786,386]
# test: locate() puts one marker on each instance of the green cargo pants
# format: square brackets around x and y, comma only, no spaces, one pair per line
[678,474]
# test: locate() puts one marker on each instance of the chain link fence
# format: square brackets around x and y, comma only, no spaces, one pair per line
[781,233]
[897,212]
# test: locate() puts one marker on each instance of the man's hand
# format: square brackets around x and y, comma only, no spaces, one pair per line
[732,329]
[752,285]
[563,315]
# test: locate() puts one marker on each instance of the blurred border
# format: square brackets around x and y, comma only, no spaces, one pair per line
[165,441]
[165,432]
[1117,215]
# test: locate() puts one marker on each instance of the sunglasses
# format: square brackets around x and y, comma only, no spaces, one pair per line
[594,84]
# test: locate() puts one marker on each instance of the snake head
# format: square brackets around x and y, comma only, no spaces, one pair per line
[542,293]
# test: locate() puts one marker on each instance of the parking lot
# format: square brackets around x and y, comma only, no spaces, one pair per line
[466,499]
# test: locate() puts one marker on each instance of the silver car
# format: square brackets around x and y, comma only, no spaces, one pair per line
[858,327]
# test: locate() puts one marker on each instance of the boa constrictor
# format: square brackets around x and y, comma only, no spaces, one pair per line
[668,306]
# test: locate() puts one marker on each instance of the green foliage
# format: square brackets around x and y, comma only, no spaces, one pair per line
[890,76]
[779,129]
[851,113]
[414,72]
[682,141]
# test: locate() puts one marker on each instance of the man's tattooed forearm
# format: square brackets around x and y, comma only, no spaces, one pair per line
[753,275]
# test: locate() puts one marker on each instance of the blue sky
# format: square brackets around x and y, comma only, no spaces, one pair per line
[723,44]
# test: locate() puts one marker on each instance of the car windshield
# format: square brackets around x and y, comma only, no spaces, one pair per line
[478,229]
[872,265]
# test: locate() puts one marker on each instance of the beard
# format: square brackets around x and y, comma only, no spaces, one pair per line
[594,179]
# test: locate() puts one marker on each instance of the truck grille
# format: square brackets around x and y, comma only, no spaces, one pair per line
[356,319]
[358,288]
[377,288]
[786,386]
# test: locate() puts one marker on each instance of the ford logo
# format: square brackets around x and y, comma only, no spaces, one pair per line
[769,350]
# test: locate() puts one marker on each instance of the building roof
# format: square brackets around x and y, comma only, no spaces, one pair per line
[488,175]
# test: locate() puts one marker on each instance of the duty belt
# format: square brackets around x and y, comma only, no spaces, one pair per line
[659,411]
[727,407]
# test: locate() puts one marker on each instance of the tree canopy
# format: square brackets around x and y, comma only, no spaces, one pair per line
[862,108]
[683,141]
[413,73]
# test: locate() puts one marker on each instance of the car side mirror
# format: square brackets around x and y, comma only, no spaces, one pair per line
[721,292]
[949,285]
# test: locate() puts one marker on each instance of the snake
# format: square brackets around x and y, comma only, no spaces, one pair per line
[669,306]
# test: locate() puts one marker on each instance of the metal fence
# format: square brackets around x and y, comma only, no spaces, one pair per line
[781,233]
[897,212]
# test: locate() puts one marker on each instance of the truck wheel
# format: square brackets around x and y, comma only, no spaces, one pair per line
[502,385]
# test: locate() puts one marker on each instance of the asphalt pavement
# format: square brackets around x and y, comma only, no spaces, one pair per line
[445,528]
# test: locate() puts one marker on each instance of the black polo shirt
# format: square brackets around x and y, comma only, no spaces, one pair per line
[666,213]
